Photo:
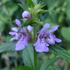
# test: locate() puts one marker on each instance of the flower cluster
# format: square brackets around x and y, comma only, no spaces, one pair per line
[44,39]
[22,36]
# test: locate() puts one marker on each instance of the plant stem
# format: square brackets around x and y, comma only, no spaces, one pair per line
[35,54]
[35,60]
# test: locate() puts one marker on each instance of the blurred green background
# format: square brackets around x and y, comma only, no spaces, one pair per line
[59,14]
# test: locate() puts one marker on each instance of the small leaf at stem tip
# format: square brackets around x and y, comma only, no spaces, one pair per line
[23,6]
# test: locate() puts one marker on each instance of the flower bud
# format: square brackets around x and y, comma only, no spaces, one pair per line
[29,28]
[26,15]
[50,41]
[18,23]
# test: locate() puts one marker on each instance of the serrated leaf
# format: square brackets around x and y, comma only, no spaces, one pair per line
[62,53]
[24,7]
[28,56]
[46,64]
[54,68]
[22,68]
[65,31]
[30,3]
[7,46]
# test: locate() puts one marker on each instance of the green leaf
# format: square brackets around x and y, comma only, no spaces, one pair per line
[30,3]
[42,11]
[65,31]
[7,46]
[46,64]
[22,68]
[59,51]
[35,1]
[28,56]
[54,68]
[24,7]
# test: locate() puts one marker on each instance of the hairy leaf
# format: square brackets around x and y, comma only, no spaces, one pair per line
[24,7]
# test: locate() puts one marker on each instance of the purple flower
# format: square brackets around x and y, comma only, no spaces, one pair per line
[14,32]
[23,41]
[51,37]
[22,36]
[40,45]
[26,15]
[46,38]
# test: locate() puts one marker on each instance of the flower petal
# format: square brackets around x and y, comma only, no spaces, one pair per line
[21,43]
[41,49]
[50,41]
[18,22]
[16,37]
[12,33]
[46,25]
[12,39]
[54,28]
[41,46]
[15,29]
[23,30]
[57,39]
